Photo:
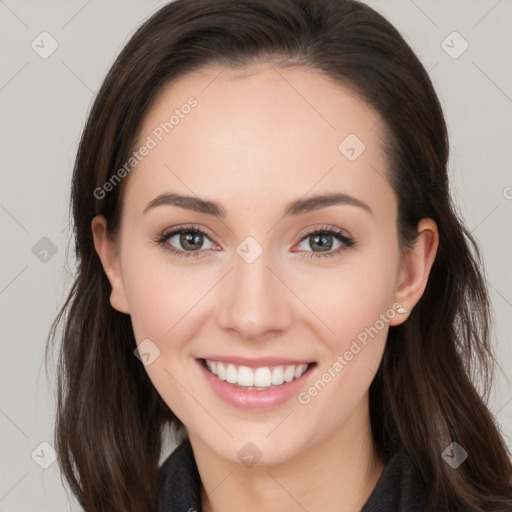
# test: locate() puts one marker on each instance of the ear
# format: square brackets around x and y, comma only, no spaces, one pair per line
[415,270]
[108,253]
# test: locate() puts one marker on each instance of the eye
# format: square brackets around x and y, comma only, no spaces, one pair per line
[184,241]
[323,239]
[187,241]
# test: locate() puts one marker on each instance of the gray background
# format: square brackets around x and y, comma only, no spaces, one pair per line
[44,103]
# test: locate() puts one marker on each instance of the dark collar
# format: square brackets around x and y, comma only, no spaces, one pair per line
[179,485]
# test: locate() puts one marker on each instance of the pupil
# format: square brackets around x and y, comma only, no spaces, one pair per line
[191,238]
[323,243]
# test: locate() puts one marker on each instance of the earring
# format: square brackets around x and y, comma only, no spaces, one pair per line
[401,309]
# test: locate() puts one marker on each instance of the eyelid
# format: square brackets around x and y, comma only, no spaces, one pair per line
[187,227]
[312,229]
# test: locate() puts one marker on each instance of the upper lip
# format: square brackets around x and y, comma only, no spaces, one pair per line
[257,362]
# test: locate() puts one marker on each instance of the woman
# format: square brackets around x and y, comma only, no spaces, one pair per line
[270,261]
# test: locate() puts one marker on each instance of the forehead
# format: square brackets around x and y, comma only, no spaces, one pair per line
[259,134]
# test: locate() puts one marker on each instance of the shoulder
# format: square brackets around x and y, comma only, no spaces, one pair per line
[178,481]
[399,488]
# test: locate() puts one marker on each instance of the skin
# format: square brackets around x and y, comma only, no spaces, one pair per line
[258,139]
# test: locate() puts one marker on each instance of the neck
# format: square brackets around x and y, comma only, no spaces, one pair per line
[338,474]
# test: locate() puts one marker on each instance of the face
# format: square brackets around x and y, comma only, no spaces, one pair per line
[264,279]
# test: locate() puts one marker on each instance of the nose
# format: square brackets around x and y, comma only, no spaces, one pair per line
[254,300]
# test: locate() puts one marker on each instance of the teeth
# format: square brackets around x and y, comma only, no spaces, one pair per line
[277,376]
[258,378]
[231,374]
[289,373]
[245,376]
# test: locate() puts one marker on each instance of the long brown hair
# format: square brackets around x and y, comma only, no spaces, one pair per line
[110,418]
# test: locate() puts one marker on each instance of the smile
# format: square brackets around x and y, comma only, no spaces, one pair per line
[256,387]
[262,378]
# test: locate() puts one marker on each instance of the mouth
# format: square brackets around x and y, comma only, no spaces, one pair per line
[256,378]
[256,384]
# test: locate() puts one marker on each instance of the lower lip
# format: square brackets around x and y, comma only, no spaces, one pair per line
[254,399]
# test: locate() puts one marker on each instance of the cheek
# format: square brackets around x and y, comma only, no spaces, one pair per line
[354,296]
[162,295]
[359,316]
[362,305]
[163,300]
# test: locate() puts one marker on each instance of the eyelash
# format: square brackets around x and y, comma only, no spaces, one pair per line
[347,241]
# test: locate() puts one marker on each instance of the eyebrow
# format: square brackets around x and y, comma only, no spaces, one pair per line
[294,208]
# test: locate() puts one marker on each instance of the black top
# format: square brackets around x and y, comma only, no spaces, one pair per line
[179,485]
